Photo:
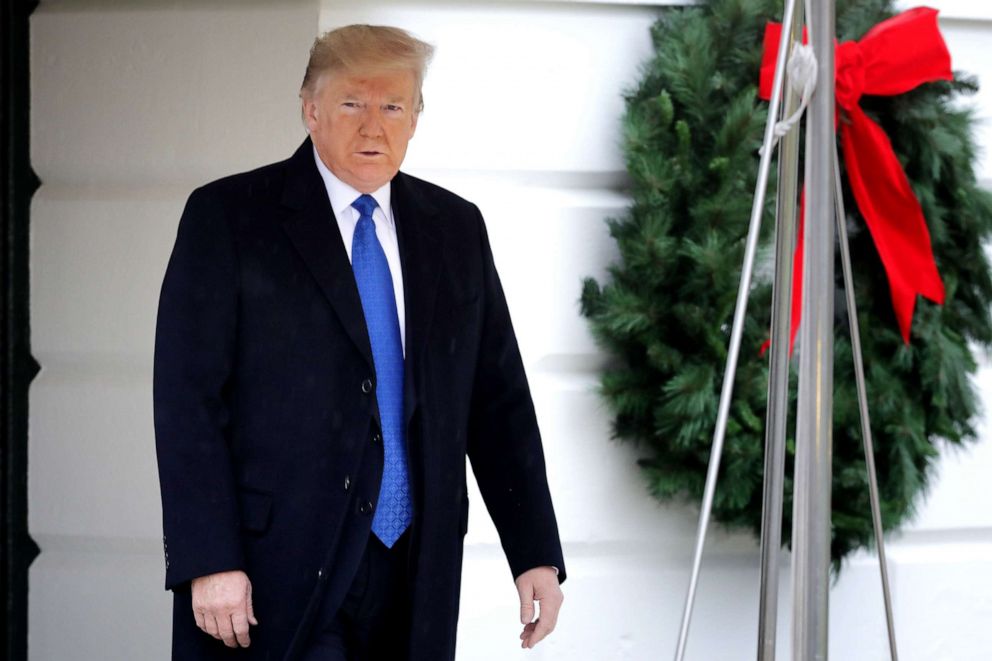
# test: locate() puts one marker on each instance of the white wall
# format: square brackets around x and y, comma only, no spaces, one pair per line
[131,109]
[134,106]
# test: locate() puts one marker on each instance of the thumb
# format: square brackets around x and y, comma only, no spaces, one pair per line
[250,609]
[526,592]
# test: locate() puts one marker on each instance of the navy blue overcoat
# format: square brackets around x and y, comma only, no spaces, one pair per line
[265,415]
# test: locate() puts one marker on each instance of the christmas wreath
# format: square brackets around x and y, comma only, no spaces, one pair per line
[691,134]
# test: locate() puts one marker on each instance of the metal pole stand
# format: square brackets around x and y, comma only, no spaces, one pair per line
[811,502]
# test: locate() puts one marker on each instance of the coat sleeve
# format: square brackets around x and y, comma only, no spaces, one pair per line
[195,343]
[504,443]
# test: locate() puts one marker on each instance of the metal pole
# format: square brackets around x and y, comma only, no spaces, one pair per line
[859,377]
[777,413]
[811,513]
[737,331]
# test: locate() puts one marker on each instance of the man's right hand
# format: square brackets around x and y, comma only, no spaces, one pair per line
[222,606]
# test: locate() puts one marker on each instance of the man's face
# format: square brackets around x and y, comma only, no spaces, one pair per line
[361,124]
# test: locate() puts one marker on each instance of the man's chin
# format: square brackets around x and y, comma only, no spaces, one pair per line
[367,182]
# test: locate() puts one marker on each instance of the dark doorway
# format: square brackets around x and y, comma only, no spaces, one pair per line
[17,367]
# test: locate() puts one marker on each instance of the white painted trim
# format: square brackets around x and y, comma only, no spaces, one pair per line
[956,10]
[632,3]
[325,4]
[961,10]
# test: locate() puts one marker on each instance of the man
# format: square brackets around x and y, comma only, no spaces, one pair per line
[332,341]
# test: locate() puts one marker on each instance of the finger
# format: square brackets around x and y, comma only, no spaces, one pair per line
[198,616]
[527,636]
[210,625]
[549,610]
[251,610]
[541,630]
[227,631]
[526,592]
[545,624]
[240,625]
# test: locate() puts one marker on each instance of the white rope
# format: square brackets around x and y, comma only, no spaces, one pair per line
[801,68]
[801,73]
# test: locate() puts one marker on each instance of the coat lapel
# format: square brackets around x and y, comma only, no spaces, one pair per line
[313,231]
[311,227]
[420,256]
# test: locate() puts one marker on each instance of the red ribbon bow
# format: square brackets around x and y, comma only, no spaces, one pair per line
[894,57]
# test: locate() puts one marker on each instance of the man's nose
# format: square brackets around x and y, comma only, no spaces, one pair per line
[371,126]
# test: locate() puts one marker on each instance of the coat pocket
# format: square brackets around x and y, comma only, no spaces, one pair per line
[256,510]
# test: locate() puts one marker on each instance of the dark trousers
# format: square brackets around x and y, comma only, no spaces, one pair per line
[373,622]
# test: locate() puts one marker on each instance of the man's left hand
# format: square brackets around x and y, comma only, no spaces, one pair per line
[541,585]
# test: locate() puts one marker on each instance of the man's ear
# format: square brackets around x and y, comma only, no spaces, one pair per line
[413,123]
[310,112]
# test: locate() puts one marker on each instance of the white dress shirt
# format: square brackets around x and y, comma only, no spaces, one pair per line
[341,196]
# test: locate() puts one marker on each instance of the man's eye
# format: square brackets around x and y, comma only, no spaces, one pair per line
[351,104]
[393,108]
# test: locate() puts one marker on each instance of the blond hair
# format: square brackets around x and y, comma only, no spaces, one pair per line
[367,47]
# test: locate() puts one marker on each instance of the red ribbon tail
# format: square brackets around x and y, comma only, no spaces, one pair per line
[893,214]
[773,32]
[797,282]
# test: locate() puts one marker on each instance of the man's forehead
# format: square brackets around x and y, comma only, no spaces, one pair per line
[395,83]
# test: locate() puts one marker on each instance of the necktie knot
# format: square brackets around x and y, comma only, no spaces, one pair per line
[365,204]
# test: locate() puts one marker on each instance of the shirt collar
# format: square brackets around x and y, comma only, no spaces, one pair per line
[342,195]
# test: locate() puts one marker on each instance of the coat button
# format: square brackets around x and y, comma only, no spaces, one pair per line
[376,438]
[347,482]
[367,386]
[321,575]
[365,508]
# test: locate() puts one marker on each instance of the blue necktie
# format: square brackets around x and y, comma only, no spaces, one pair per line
[375,287]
